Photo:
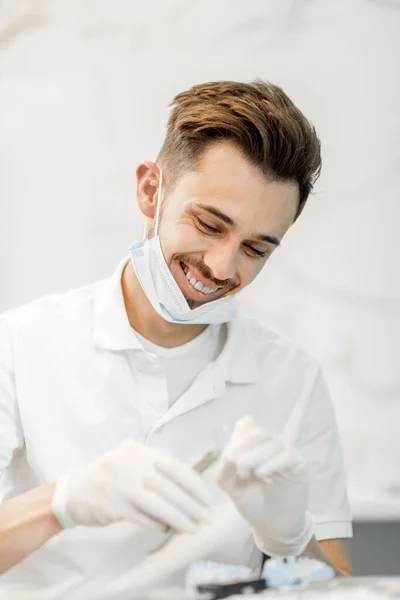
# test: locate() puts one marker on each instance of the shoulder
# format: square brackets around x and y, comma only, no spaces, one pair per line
[44,313]
[273,348]
[285,375]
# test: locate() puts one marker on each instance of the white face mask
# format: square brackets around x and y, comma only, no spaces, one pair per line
[162,290]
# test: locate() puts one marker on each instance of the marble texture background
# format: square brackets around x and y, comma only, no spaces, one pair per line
[84,90]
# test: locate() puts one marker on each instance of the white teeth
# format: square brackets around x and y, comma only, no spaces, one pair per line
[198,285]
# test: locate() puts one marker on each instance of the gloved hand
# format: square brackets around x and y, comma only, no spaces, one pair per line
[266,479]
[134,483]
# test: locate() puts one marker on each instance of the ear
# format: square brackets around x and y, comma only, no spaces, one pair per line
[147,183]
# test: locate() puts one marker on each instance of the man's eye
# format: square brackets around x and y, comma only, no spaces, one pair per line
[207,227]
[258,253]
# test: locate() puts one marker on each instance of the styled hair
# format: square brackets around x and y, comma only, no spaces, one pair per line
[258,117]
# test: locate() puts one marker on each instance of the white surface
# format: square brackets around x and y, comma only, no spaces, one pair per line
[84,88]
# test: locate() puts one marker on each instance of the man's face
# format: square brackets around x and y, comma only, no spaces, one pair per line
[220,224]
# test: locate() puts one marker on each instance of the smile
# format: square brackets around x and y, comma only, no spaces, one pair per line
[195,283]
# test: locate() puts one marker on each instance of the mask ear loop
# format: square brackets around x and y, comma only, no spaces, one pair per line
[144,231]
[158,208]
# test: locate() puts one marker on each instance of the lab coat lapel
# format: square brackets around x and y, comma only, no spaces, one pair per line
[236,364]
[207,386]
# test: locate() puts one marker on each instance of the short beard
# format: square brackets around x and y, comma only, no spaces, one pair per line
[195,303]
[191,303]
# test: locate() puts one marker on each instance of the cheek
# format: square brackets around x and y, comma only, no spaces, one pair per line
[249,269]
[182,239]
[190,238]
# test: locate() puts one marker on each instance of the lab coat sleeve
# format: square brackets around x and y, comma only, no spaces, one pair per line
[319,443]
[11,438]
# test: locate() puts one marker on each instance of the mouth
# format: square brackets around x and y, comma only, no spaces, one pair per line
[194,286]
[196,283]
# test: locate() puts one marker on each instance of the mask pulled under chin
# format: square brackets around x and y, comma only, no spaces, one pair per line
[164,293]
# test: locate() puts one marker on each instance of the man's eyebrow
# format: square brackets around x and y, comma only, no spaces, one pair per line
[270,239]
[217,213]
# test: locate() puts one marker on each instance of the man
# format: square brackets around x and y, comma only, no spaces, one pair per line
[109,393]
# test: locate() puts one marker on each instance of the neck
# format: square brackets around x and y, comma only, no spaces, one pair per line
[146,321]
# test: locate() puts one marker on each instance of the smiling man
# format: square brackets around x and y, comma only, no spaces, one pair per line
[109,393]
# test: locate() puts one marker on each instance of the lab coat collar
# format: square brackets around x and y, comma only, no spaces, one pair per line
[237,362]
[112,329]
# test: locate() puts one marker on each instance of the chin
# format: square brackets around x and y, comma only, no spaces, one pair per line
[195,303]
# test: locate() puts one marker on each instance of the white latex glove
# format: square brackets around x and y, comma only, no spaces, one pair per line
[133,483]
[267,480]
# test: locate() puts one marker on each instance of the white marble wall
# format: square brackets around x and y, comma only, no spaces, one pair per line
[84,88]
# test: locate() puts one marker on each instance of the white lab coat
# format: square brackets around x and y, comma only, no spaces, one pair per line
[75,381]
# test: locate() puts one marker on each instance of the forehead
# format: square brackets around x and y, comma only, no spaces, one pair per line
[226,180]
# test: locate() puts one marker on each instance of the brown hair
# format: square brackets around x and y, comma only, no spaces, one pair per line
[258,117]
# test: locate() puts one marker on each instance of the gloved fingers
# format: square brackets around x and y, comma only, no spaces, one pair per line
[242,426]
[245,436]
[226,476]
[243,472]
[287,461]
[243,441]
[178,498]
[185,477]
[160,509]
[260,455]
[139,518]
[297,469]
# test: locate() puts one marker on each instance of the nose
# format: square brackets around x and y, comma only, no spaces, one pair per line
[222,260]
